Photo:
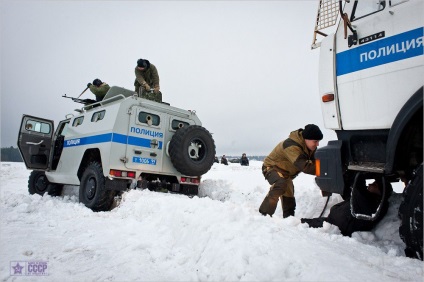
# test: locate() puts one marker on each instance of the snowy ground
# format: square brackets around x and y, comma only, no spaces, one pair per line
[219,236]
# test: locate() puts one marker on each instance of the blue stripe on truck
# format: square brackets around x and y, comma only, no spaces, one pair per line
[110,137]
[391,49]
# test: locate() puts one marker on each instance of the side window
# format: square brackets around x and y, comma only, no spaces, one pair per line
[98,116]
[38,126]
[148,118]
[176,124]
[365,8]
[63,128]
[78,121]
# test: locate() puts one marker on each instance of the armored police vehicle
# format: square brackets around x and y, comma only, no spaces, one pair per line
[371,74]
[119,143]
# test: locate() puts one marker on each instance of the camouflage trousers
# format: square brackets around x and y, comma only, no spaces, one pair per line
[281,188]
[157,97]
[149,95]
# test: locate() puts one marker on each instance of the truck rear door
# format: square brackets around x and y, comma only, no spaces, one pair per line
[145,144]
[35,142]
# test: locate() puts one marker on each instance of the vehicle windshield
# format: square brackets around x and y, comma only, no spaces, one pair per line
[367,7]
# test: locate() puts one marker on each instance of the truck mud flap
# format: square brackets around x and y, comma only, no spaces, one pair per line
[116,184]
[189,189]
[185,189]
[330,179]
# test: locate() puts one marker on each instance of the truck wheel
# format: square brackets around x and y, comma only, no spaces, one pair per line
[92,192]
[54,189]
[37,182]
[192,150]
[411,214]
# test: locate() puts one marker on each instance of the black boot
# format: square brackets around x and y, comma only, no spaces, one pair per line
[268,205]
[289,205]
[314,222]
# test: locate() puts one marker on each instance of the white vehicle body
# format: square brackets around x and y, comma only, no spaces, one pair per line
[375,78]
[371,75]
[127,136]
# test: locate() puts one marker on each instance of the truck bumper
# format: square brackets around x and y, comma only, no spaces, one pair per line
[329,168]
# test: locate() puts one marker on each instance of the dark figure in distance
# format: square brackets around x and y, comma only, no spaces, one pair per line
[244,160]
[224,160]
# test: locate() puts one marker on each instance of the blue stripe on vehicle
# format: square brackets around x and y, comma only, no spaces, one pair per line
[88,140]
[109,137]
[119,138]
[387,50]
[142,142]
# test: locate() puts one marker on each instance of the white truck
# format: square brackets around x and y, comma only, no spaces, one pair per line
[371,76]
[116,144]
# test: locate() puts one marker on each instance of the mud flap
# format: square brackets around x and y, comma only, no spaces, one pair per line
[190,189]
[330,179]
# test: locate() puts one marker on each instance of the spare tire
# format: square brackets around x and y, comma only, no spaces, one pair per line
[192,150]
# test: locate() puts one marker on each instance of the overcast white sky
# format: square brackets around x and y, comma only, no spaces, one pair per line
[246,67]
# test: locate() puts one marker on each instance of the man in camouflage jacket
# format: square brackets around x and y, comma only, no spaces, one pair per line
[99,89]
[284,163]
[147,80]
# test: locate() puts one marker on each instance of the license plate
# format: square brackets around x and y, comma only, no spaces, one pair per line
[144,161]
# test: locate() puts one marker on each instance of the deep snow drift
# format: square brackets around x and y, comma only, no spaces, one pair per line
[218,236]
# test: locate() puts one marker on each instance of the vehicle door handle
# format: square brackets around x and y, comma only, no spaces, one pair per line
[33,143]
[154,143]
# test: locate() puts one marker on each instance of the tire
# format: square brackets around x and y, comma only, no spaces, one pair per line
[349,179]
[54,189]
[38,183]
[411,214]
[92,192]
[192,150]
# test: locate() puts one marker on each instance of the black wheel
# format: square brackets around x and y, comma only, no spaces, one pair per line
[411,214]
[192,150]
[349,179]
[92,192]
[54,189]
[38,182]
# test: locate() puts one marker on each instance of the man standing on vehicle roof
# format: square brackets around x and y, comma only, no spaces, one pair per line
[147,81]
[284,163]
[99,89]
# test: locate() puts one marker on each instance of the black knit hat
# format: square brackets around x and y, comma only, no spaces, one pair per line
[312,132]
[97,82]
[141,63]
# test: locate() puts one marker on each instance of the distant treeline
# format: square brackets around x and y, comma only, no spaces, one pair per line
[257,158]
[10,155]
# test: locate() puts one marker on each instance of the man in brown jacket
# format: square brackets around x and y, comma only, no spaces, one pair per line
[147,80]
[99,89]
[284,163]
